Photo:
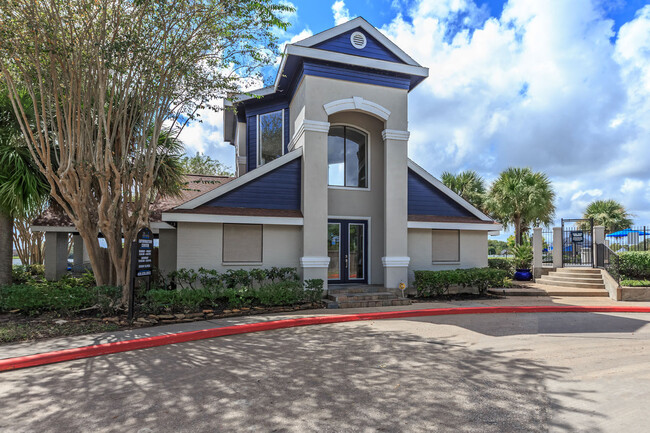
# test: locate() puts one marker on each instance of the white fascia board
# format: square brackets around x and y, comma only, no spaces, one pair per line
[234,219]
[58,229]
[242,180]
[452,195]
[161,225]
[349,59]
[365,25]
[453,226]
[264,91]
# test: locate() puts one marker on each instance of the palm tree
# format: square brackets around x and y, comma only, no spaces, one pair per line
[608,213]
[522,198]
[23,189]
[467,184]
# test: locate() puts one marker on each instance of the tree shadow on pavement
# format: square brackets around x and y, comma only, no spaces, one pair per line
[329,378]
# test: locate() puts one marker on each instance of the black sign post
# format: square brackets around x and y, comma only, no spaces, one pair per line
[141,263]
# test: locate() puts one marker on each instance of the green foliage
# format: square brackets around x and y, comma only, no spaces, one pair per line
[608,213]
[24,273]
[634,265]
[314,289]
[467,184]
[283,293]
[505,264]
[436,283]
[635,283]
[497,247]
[522,198]
[203,164]
[64,297]
[523,254]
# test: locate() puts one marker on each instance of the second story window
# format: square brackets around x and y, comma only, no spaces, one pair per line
[270,137]
[346,157]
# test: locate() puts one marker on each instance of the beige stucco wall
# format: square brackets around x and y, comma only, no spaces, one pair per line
[200,245]
[319,91]
[473,251]
[167,250]
[361,202]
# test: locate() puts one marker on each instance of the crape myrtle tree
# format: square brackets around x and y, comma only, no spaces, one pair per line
[107,78]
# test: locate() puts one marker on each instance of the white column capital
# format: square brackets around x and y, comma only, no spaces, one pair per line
[395,134]
[395,262]
[308,125]
[314,262]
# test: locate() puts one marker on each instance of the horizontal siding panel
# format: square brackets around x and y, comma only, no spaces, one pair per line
[340,73]
[278,189]
[426,199]
[373,49]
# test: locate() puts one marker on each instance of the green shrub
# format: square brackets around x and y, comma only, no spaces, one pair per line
[193,299]
[314,290]
[282,293]
[503,263]
[158,300]
[64,297]
[435,283]
[635,265]
[523,254]
[635,283]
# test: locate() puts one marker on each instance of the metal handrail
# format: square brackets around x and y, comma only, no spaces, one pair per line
[610,261]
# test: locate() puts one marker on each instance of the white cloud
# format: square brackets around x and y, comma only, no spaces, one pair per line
[546,85]
[341,13]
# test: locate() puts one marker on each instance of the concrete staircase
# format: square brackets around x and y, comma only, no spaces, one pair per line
[574,282]
[361,296]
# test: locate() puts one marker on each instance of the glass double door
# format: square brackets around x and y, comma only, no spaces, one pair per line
[347,248]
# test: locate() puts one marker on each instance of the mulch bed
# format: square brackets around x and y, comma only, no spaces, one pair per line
[15,327]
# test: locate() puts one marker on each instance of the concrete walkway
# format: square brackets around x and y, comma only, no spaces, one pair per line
[31,348]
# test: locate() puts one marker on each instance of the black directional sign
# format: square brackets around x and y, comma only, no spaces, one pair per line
[144,250]
[577,237]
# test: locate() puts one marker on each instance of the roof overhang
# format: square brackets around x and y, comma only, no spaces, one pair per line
[487,227]
[235,219]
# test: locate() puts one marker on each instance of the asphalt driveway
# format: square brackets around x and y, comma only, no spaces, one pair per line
[483,373]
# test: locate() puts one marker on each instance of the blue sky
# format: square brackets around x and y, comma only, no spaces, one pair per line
[561,86]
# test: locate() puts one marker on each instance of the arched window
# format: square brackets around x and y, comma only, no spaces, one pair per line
[347,150]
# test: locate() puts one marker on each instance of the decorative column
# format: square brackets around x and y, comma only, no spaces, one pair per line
[56,255]
[312,137]
[395,260]
[557,247]
[538,251]
[599,238]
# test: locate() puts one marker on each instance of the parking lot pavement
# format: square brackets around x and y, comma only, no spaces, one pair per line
[477,373]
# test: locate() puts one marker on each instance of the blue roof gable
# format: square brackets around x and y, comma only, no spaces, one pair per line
[373,49]
[278,189]
[426,199]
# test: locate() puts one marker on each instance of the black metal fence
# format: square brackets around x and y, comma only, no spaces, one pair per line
[577,238]
[547,247]
[636,238]
[608,260]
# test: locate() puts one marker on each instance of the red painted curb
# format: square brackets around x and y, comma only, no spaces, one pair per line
[181,337]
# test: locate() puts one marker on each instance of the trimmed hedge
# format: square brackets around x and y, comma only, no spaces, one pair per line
[64,298]
[436,283]
[635,283]
[503,263]
[635,265]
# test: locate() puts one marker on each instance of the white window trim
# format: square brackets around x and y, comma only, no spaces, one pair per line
[368,170]
[259,136]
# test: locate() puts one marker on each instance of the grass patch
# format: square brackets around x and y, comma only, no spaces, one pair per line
[635,283]
[12,332]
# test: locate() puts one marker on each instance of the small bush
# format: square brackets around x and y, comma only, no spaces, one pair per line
[283,293]
[503,263]
[635,283]
[635,265]
[436,283]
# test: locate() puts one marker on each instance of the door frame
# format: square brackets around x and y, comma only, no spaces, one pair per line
[367,246]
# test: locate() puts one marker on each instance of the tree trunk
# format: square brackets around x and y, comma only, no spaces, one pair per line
[518,231]
[6,248]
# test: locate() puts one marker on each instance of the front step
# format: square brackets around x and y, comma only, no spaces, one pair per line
[579,282]
[363,296]
[562,282]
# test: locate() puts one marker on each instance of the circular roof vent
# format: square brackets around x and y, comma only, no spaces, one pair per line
[358,40]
